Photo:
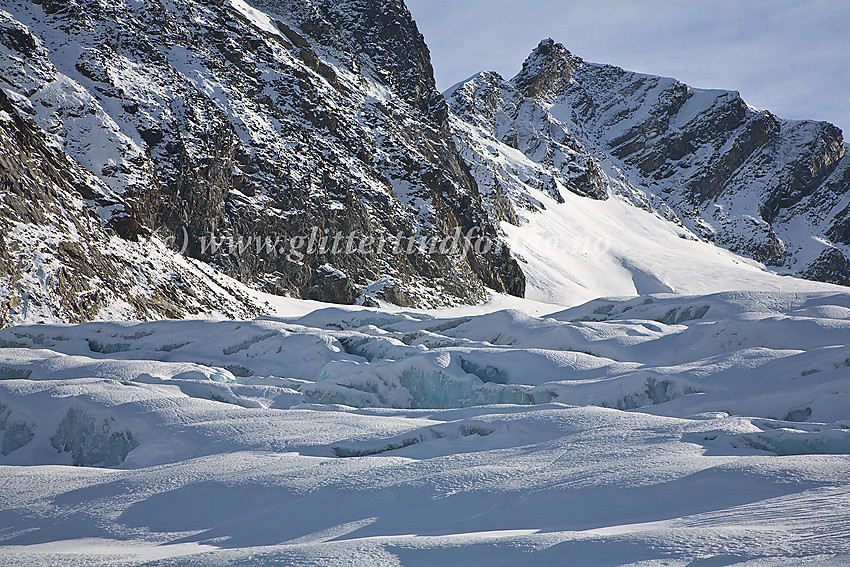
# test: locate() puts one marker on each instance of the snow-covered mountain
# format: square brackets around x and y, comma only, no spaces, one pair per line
[133,129]
[720,171]
[197,119]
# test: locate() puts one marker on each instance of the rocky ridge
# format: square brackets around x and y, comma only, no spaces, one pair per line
[761,186]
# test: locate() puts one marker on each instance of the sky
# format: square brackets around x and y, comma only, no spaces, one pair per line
[789,57]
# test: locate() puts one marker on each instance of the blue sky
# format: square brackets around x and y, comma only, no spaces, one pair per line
[790,57]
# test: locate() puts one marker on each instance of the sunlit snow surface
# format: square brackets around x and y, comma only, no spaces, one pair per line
[658,430]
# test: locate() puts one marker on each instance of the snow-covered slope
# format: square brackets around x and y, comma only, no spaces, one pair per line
[195,120]
[661,430]
[581,248]
[58,261]
[718,171]
[576,242]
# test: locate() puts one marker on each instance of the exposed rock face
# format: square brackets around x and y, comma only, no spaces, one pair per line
[57,261]
[546,71]
[232,122]
[768,188]
[831,266]
[538,150]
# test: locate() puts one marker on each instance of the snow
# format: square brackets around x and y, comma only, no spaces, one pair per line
[580,249]
[657,430]
[697,102]
[572,248]
[256,17]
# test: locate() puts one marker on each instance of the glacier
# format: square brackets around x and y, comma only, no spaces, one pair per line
[653,430]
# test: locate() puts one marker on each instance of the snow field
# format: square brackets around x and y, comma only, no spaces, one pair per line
[657,430]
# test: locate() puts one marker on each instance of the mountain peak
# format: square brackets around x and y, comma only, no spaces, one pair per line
[545,70]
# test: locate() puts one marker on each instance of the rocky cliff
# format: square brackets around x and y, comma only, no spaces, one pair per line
[198,120]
